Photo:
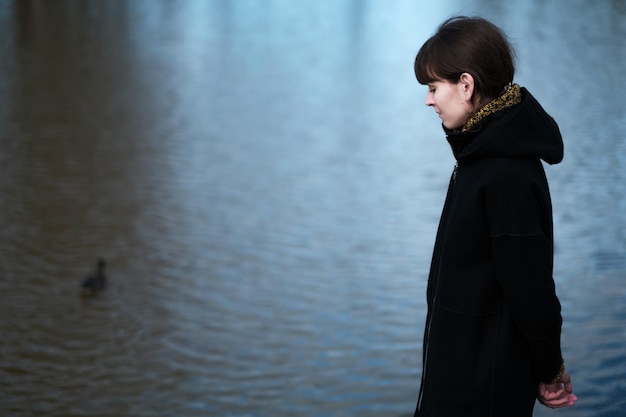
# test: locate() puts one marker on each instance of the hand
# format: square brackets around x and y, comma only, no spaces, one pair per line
[559,394]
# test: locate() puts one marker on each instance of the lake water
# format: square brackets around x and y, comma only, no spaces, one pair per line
[265,182]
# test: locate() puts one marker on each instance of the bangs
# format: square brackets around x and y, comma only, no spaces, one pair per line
[426,65]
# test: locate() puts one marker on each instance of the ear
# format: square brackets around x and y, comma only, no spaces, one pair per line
[466,83]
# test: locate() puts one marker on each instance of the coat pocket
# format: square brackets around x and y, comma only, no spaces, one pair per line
[461,360]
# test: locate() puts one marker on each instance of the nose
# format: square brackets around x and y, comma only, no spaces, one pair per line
[429,99]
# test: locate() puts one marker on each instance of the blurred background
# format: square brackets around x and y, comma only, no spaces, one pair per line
[264,182]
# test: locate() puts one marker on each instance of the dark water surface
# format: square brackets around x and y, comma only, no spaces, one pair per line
[265,183]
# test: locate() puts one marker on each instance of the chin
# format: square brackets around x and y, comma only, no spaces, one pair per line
[453,126]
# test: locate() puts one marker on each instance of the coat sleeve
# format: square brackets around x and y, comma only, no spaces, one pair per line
[519,215]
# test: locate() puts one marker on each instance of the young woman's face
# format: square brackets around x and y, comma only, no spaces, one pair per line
[451,102]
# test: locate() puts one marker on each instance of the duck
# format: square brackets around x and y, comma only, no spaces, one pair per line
[92,284]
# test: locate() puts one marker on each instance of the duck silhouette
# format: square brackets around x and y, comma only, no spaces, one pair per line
[92,284]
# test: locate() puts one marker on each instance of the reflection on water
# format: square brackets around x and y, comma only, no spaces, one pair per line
[265,184]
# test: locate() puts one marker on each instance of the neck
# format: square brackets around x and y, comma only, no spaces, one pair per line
[511,96]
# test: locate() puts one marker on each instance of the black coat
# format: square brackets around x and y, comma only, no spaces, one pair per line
[494,323]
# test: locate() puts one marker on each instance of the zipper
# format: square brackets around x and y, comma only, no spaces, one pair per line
[430,322]
[434,302]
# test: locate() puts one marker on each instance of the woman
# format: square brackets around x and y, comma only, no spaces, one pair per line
[492,336]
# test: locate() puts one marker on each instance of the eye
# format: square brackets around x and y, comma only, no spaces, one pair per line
[431,89]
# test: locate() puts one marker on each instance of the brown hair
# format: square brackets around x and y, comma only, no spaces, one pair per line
[468,44]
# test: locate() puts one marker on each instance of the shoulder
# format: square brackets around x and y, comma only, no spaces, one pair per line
[515,181]
[502,172]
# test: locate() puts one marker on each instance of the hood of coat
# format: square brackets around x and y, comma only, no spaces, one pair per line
[522,131]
